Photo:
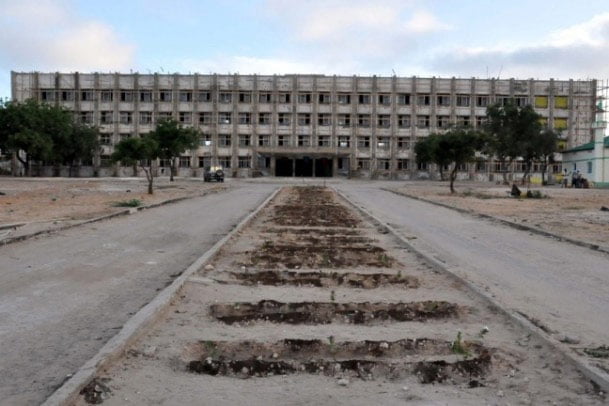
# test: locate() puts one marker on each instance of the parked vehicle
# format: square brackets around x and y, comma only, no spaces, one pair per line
[213,173]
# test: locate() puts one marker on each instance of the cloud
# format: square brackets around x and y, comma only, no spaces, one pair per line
[338,29]
[262,66]
[47,35]
[578,51]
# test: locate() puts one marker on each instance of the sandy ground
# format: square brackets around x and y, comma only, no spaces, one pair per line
[35,204]
[573,213]
[158,368]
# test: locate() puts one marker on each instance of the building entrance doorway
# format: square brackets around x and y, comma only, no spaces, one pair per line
[303,167]
[283,167]
[323,168]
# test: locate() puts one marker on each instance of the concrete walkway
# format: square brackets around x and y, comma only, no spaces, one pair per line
[62,296]
[565,287]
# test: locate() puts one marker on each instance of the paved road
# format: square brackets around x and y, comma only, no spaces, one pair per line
[63,296]
[564,286]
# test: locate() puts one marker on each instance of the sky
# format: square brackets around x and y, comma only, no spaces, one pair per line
[559,39]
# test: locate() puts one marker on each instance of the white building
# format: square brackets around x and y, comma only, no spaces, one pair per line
[592,158]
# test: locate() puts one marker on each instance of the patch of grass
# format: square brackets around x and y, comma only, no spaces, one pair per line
[536,194]
[477,195]
[459,347]
[599,352]
[128,203]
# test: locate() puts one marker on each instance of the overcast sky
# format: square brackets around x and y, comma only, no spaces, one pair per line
[484,38]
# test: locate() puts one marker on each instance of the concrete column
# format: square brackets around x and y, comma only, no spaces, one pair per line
[570,124]
[136,104]
[96,118]
[254,125]
[393,140]
[314,108]
[274,137]
[273,165]
[314,161]
[77,94]
[373,122]
[353,127]
[551,104]
[116,114]
[293,167]
[453,100]
[214,118]
[599,162]
[195,111]
[333,117]
[234,132]
[413,127]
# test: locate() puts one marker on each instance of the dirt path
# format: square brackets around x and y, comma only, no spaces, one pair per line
[311,304]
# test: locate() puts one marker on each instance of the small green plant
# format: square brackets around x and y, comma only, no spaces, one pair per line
[331,344]
[211,348]
[535,194]
[332,296]
[384,260]
[128,203]
[325,260]
[459,347]
[399,274]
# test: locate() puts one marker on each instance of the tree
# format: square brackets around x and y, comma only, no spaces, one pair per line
[82,145]
[546,146]
[456,147]
[427,151]
[21,130]
[142,151]
[173,140]
[512,132]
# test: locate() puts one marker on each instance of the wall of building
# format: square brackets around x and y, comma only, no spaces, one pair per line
[373,121]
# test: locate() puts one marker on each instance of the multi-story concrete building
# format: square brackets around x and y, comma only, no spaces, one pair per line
[303,125]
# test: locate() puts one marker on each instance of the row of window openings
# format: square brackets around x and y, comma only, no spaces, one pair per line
[145,96]
[283,119]
[225,140]
[185,162]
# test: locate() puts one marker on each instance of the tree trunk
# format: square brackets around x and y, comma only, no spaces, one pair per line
[441,172]
[135,170]
[25,163]
[544,168]
[149,177]
[527,170]
[503,171]
[453,176]
[171,169]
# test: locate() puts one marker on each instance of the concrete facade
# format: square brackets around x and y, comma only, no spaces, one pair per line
[302,125]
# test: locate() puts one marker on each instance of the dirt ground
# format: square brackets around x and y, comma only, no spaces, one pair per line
[50,200]
[376,326]
[573,213]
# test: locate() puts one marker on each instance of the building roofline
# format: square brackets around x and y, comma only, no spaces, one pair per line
[307,75]
[589,146]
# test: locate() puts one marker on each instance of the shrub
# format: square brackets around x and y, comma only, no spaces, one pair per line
[128,203]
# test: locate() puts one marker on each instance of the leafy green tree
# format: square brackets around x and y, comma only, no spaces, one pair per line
[456,147]
[173,140]
[23,128]
[82,145]
[512,133]
[546,145]
[427,151]
[140,151]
